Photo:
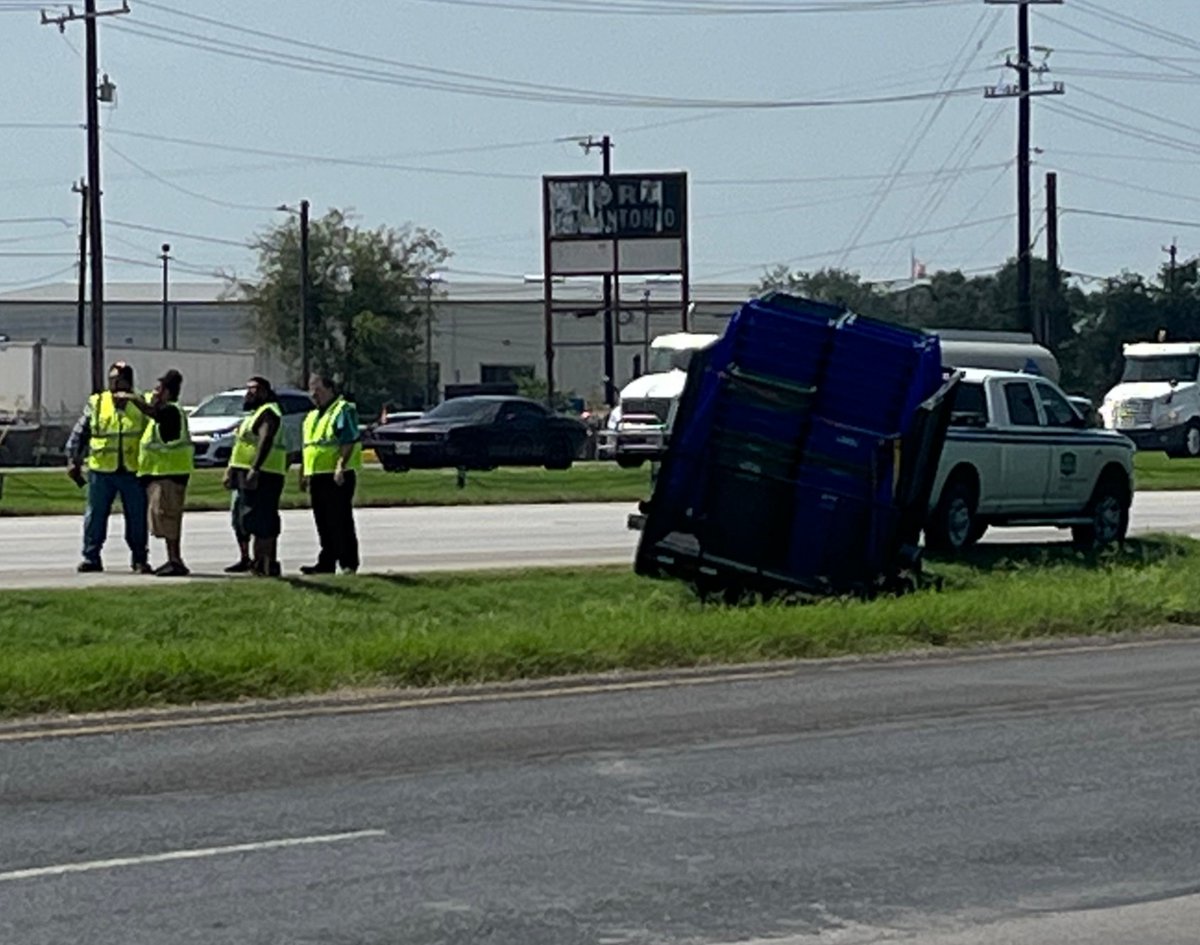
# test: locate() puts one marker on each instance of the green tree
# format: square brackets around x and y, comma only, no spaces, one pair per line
[370,294]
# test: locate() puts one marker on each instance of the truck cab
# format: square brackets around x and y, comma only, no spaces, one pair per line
[1019,453]
[638,427]
[1157,402]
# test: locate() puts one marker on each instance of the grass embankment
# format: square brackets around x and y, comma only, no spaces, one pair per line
[51,493]
[89,650]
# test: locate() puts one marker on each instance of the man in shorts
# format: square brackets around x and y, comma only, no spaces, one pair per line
[165,458]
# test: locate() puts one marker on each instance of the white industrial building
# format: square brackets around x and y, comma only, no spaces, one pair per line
[482,332]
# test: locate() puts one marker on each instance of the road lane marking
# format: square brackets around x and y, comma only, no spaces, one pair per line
[176,855]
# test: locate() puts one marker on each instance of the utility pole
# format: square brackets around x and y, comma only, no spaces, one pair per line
[610,388]
[1023,94]
[430,389]
[303,295]
[92,97]
[1051,308]
[81,314]
[166,318]
[1173,252]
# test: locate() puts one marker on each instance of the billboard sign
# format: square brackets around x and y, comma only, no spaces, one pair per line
[622,223]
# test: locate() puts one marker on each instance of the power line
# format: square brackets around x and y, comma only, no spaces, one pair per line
[1118,46]
[1126,185]
[230,205]
[633,8]
[1154,116]
[1124,128]
[496,88]
[1136,25]
[200,238]
[1135,218]
[321,158]
[872,245]
[921,129]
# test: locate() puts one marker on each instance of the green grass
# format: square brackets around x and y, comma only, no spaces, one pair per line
[50,492]
[79,650]
[1156,472]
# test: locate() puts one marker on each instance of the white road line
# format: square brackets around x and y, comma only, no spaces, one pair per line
[174,855]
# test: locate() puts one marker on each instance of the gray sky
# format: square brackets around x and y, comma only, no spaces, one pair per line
[861,185]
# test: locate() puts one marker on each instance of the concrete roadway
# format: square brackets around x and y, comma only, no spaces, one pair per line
[1041,799]
[43,551]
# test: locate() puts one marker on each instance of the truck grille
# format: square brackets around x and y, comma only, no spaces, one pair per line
[1133,413]
[658,406]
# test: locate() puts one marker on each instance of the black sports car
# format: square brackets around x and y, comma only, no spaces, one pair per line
[480,433]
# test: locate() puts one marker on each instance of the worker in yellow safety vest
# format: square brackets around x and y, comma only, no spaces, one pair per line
[257,468]
[165,458]
[107,439]
[332,459]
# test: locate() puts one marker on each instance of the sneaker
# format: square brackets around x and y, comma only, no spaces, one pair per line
[173,569]
[142,567]
[89,567]
[315,569]
[240,567]
[349,570]
[163,569]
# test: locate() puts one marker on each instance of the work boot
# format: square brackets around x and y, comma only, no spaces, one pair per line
[89,567]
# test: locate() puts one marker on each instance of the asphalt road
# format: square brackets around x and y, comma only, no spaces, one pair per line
[43,551]
[1039,798]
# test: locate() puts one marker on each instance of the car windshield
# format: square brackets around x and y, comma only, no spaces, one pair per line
[1175,367]
[464,409]
[663,360]
[222,405]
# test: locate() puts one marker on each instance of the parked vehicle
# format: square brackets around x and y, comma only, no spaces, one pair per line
[1157,402]
[1018,453]
[638,426]
[480,433]
[213,421]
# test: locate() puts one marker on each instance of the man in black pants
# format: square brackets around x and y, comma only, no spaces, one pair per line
[332,461]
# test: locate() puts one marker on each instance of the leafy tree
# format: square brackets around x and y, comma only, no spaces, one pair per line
[368,301]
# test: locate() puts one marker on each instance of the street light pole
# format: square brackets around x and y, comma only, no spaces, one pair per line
[166,318]
[303,294]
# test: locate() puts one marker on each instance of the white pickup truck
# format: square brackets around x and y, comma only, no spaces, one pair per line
[1018,453]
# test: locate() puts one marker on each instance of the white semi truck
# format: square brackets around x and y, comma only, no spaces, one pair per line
[1157,402]
[638,426]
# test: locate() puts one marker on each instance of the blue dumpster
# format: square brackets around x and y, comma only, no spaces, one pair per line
[802,456]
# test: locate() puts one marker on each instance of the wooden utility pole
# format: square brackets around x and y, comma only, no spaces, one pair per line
[609,286]
[91,81]
[1023,93]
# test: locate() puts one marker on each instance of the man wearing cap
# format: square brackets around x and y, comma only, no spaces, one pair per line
[165,462]
[256,472]
[107,437]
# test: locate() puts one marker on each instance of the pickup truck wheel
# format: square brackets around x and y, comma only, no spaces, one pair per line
[1109,511]
[630,462]
[953,527]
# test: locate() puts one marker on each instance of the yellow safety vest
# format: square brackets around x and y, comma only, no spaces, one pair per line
[245,443]
[321,446]
[114,435]
[159,458]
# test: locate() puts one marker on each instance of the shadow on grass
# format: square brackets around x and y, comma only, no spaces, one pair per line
[1136,552]
[324,588]
[400,580]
